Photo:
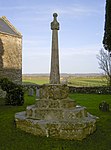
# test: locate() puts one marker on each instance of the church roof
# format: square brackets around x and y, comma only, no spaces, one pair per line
[8,28]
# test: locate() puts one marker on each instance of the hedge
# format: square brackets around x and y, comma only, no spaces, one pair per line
[14,92]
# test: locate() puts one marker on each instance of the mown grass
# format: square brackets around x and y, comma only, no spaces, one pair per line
[87,81]
[15,139]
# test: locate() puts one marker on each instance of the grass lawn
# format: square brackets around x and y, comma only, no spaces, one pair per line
[15,139]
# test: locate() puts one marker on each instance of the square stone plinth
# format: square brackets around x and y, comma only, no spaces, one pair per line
[54,91]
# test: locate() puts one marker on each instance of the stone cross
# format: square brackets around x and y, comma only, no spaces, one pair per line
[54,73]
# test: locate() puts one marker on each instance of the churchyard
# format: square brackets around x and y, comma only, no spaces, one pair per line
[12,138]
[57,119]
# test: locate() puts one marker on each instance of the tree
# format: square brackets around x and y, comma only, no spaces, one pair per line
[107,27]
[105,64]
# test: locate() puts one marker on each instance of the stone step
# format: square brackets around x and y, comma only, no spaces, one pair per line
[54,113]
[50,103]
[76,129]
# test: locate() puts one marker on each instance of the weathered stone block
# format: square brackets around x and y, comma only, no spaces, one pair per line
[54,91]
[59,103]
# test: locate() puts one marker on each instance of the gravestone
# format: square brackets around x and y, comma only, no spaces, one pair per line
[30,92]
[37,92]
[104,106]
[55,114]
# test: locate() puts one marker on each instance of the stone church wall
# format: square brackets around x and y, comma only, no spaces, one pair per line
[11,57]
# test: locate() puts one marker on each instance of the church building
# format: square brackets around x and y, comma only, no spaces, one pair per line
[10,51]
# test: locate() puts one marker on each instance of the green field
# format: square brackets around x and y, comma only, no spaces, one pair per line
[71,80]
[12,138]
[87,81]
[35,79]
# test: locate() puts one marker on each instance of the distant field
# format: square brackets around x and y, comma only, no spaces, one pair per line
[71,80]
[87,81]
[35,79]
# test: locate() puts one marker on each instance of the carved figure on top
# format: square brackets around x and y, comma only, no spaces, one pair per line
[55,24]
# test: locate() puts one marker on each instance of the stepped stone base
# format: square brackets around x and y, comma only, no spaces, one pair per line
[72,129]
[56,117]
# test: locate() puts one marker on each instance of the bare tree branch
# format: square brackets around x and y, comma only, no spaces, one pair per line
[104,61]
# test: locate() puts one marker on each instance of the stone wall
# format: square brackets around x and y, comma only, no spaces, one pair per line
[91,90]
[84,90]
[11,57]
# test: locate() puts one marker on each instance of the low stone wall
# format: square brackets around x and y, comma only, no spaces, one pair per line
[28,86]
[89,90]
[85,90]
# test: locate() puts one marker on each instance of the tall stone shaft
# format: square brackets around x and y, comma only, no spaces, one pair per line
[54,72]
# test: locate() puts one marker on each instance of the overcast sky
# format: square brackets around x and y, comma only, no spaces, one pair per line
[80,35]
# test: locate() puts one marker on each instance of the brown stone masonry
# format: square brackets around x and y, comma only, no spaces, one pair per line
[11,57]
